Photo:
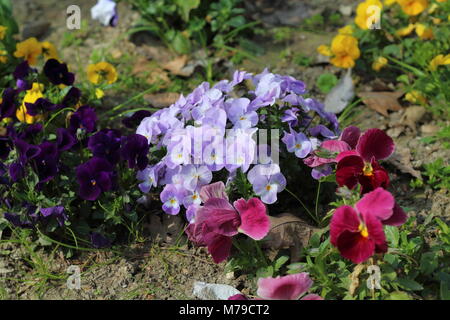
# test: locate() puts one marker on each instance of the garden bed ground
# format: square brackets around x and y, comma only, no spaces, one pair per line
[167,271]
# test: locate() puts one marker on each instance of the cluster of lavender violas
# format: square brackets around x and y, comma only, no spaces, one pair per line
[357,232]
[212,130]
[51,140]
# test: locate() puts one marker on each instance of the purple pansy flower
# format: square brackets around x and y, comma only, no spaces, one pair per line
[8,104]
[16,171]
[172,197]
[56,212]
[149,177]
[267,181]
[84,118]
[72,97]
[106,144]
[58,73]
[136,118]
[239,115]
[46,162]
[65,139]
[20,74]
[94,177]
[134,150]
[297,143]
[40,106]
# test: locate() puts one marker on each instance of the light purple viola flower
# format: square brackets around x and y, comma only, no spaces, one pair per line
[267,181]
[192,197]
[149,178]
[195,176]
[191,212]
[172,197]
[105,12]
[291,117]
[179,149]
[213,155]
[214,123]
[149,128]
[319,108]
[56,212]
[321,130]
[321,171]
[239,115]
[240,76]
[297,143]
[269,88]
[240,149]
[293,85]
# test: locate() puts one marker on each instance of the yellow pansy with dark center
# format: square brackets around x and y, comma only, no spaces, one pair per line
[368,170]
[102,71]
[28,49]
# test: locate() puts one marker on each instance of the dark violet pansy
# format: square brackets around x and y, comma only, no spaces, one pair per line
[46,162]
[58,73]
[30,131]
[84,118]
[20,74]
[15,220]
[16,171]
[72,97]
[134,121]
[5,147]
[106,144]
[56,212]
[8,106]
[94,177]
[99,241]
[134,150]
[65,140]
[40,106]
[26,151]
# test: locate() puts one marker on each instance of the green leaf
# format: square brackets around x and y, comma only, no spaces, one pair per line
[392,235]
[181,44]
[326,82]
[398,295]
[409,284]
[280,262]
[186,6]
[428,262]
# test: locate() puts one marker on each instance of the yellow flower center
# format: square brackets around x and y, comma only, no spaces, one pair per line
[368,170]
[363,230]
[268,187]
[173,201]
[93,182]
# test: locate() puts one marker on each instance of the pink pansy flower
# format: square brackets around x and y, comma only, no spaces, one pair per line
[217,221]
[358,232]
[290,287]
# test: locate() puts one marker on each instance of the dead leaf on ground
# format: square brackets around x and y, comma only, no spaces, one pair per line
[401,159]
[179,67]
[412,116]
[382,101]
[158,53]
[288,231]
[162,100]
[142,65]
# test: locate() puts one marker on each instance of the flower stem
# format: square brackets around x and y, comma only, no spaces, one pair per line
[303,205]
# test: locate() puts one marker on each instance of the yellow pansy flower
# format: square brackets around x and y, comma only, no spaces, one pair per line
[345,51]
[389,2]
[346,30]
[413,7]
[3,32]
[364,13]
[31,96]
[49,51]
[28,49]
[379,63]
[101,71]
[436,20]
[3,56]
[324,50]
[415,96]
[439,60]
[403,32]
[424,32]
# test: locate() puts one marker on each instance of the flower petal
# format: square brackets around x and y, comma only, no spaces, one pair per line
[290,287]
[348,170]
[220,247]
[254,219]
[378,203]
[213,190]
[375,143]
[397,218]
[344,218]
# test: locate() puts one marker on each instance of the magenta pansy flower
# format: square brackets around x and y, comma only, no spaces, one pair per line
[358,232]
[290,287]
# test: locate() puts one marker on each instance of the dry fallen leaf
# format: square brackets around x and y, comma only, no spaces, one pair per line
[162,100]
[382,101]
[401,159]
[179,67]
[412,116]
[288,231]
